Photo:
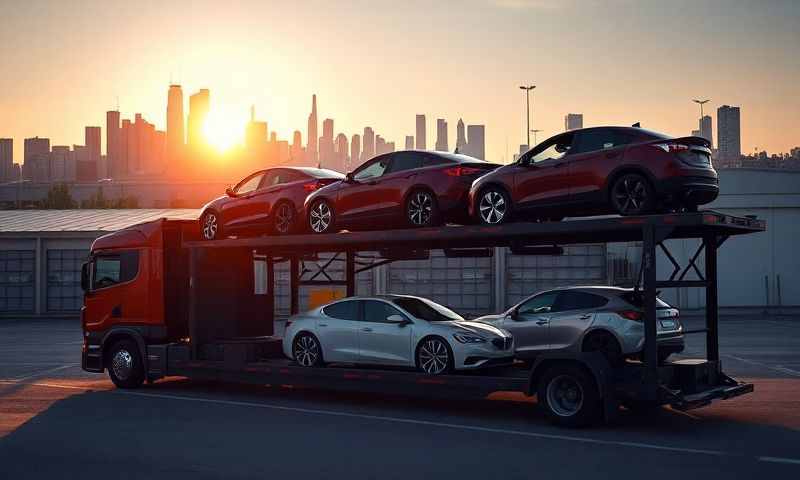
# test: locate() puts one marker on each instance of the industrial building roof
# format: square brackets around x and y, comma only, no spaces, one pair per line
[85,220]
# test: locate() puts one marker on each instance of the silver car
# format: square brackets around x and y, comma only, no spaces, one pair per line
[394,330]
[575,319]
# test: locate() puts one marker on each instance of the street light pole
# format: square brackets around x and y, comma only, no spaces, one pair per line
[528,89]
[701,102]
[535,131]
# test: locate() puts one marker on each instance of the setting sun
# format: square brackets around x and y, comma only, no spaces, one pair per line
[223,130]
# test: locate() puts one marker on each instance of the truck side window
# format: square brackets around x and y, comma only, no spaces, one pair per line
[112,269]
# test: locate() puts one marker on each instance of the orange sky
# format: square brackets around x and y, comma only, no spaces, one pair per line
[379,63]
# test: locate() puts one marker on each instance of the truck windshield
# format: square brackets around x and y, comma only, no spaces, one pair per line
[426,310]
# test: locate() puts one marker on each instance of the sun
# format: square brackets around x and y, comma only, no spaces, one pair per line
[223,130]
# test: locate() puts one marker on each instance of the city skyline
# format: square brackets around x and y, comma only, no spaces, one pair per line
[275,68]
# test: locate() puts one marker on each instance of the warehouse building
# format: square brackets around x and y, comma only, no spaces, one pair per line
[41,252]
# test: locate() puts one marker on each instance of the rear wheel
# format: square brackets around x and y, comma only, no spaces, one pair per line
[321,217]
[307,351]
[605,343]
[421,209]
[632,194]
[493,207]
[124,364]
[210,226]
[283,219]
[434,356]
[569,396]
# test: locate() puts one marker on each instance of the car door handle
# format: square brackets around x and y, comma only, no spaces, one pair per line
[586,316]
[322,324]
[366,329]
[542,322]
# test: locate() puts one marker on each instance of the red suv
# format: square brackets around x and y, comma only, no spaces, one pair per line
[266,201]
[408,188]
[601,170]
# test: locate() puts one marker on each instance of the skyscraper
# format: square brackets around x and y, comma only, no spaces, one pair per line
[729,142]
[367,144]
[296,153]
[409,142]
[476,141]
[705,129]
[326,147]
[380,145]
[421,138]
[6,159]
[126,138]
[89,170]
[110,168]
[573,121]
[312,148]
[355,152]
[199,106]
[36,156]
[176,138]
[461,137]
[441,135]
[255,137]
[342,149]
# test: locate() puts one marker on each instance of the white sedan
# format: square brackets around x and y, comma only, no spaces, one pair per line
[394,330]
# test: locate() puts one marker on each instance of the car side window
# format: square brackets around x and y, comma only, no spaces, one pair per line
[113,269]
[373,170]
[249,184]
[601,139]
[377,312]
[554,149]
[269,179]
[571,300]
[539,304]
[404,161]
[433,160]
[347,310]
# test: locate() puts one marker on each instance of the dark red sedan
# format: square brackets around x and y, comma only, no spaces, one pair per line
[601,170]
[266,201]
[400,189]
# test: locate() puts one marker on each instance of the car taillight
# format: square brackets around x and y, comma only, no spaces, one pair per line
[672,147]
[634,315]
[310,187]
[461,171]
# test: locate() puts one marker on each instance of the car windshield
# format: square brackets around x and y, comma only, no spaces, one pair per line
[426,310]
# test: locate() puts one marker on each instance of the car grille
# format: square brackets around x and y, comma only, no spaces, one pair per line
[502,343]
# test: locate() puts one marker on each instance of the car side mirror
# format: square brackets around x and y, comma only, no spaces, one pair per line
[229,192]
[514,314]
[397,319]
[349,178]
[85,277]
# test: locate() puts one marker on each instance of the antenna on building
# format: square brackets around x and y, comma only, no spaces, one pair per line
[118,103]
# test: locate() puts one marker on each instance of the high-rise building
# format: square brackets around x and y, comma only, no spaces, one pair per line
[90,170]
[409,142]
[476,141]
[573,121]
[126,138]
[36,157]
[296,152]
[355,152]
[729,141]
[199,106]
[6,159]
[327,150]
[705,129]
[342,150]
[380,145]
[109,168]
[367,144]
[176,139]
[312,149]
[421,138]
[461,137]
[441,135]
[695,133]
[62,164]
[255,138]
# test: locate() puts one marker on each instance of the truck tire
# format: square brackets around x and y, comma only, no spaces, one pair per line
[125,365]
[569,396]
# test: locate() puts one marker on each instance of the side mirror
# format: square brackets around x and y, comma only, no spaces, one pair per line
[514,314]
[349,178]
[85,277]
[229,192]
[398,319]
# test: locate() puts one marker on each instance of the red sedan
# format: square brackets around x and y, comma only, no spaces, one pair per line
[408,188]
[266,201]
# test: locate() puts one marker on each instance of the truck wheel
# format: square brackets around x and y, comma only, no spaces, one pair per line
[569,396]
[125,366]
[306,350]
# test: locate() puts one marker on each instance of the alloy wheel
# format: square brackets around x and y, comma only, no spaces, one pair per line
[630,195]
[433,357]
[492,207]
[284,217]
[565,395]
[320,217]
[210,226]
[122,364]
[306,351]
[420,209]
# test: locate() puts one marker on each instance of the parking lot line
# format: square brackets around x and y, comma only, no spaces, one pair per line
[45,372]
[780,369]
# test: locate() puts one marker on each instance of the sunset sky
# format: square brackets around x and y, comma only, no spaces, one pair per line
[379,63]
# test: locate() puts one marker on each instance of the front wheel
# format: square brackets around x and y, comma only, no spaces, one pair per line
[632,194]
[321,217]
[307,351]
[125,366]
[434,356]
[493,206]
[569,396]
[210,226]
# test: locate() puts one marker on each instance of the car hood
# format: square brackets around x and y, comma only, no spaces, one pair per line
[478,328]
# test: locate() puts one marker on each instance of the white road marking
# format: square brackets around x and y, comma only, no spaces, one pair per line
[45,372]
[780,369]
[412,421]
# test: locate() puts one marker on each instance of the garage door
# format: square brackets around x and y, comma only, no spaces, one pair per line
[463,284]
[17,287]
[579,265]
[64,294]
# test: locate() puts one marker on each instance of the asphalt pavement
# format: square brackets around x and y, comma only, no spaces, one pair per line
[59,422]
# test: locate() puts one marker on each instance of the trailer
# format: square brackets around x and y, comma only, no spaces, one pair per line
[202,319]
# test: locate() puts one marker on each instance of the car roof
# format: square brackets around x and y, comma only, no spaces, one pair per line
[607,289]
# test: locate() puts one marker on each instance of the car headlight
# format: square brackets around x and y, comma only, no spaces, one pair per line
[467,338]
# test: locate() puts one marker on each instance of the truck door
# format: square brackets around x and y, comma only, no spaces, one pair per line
[114,295]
